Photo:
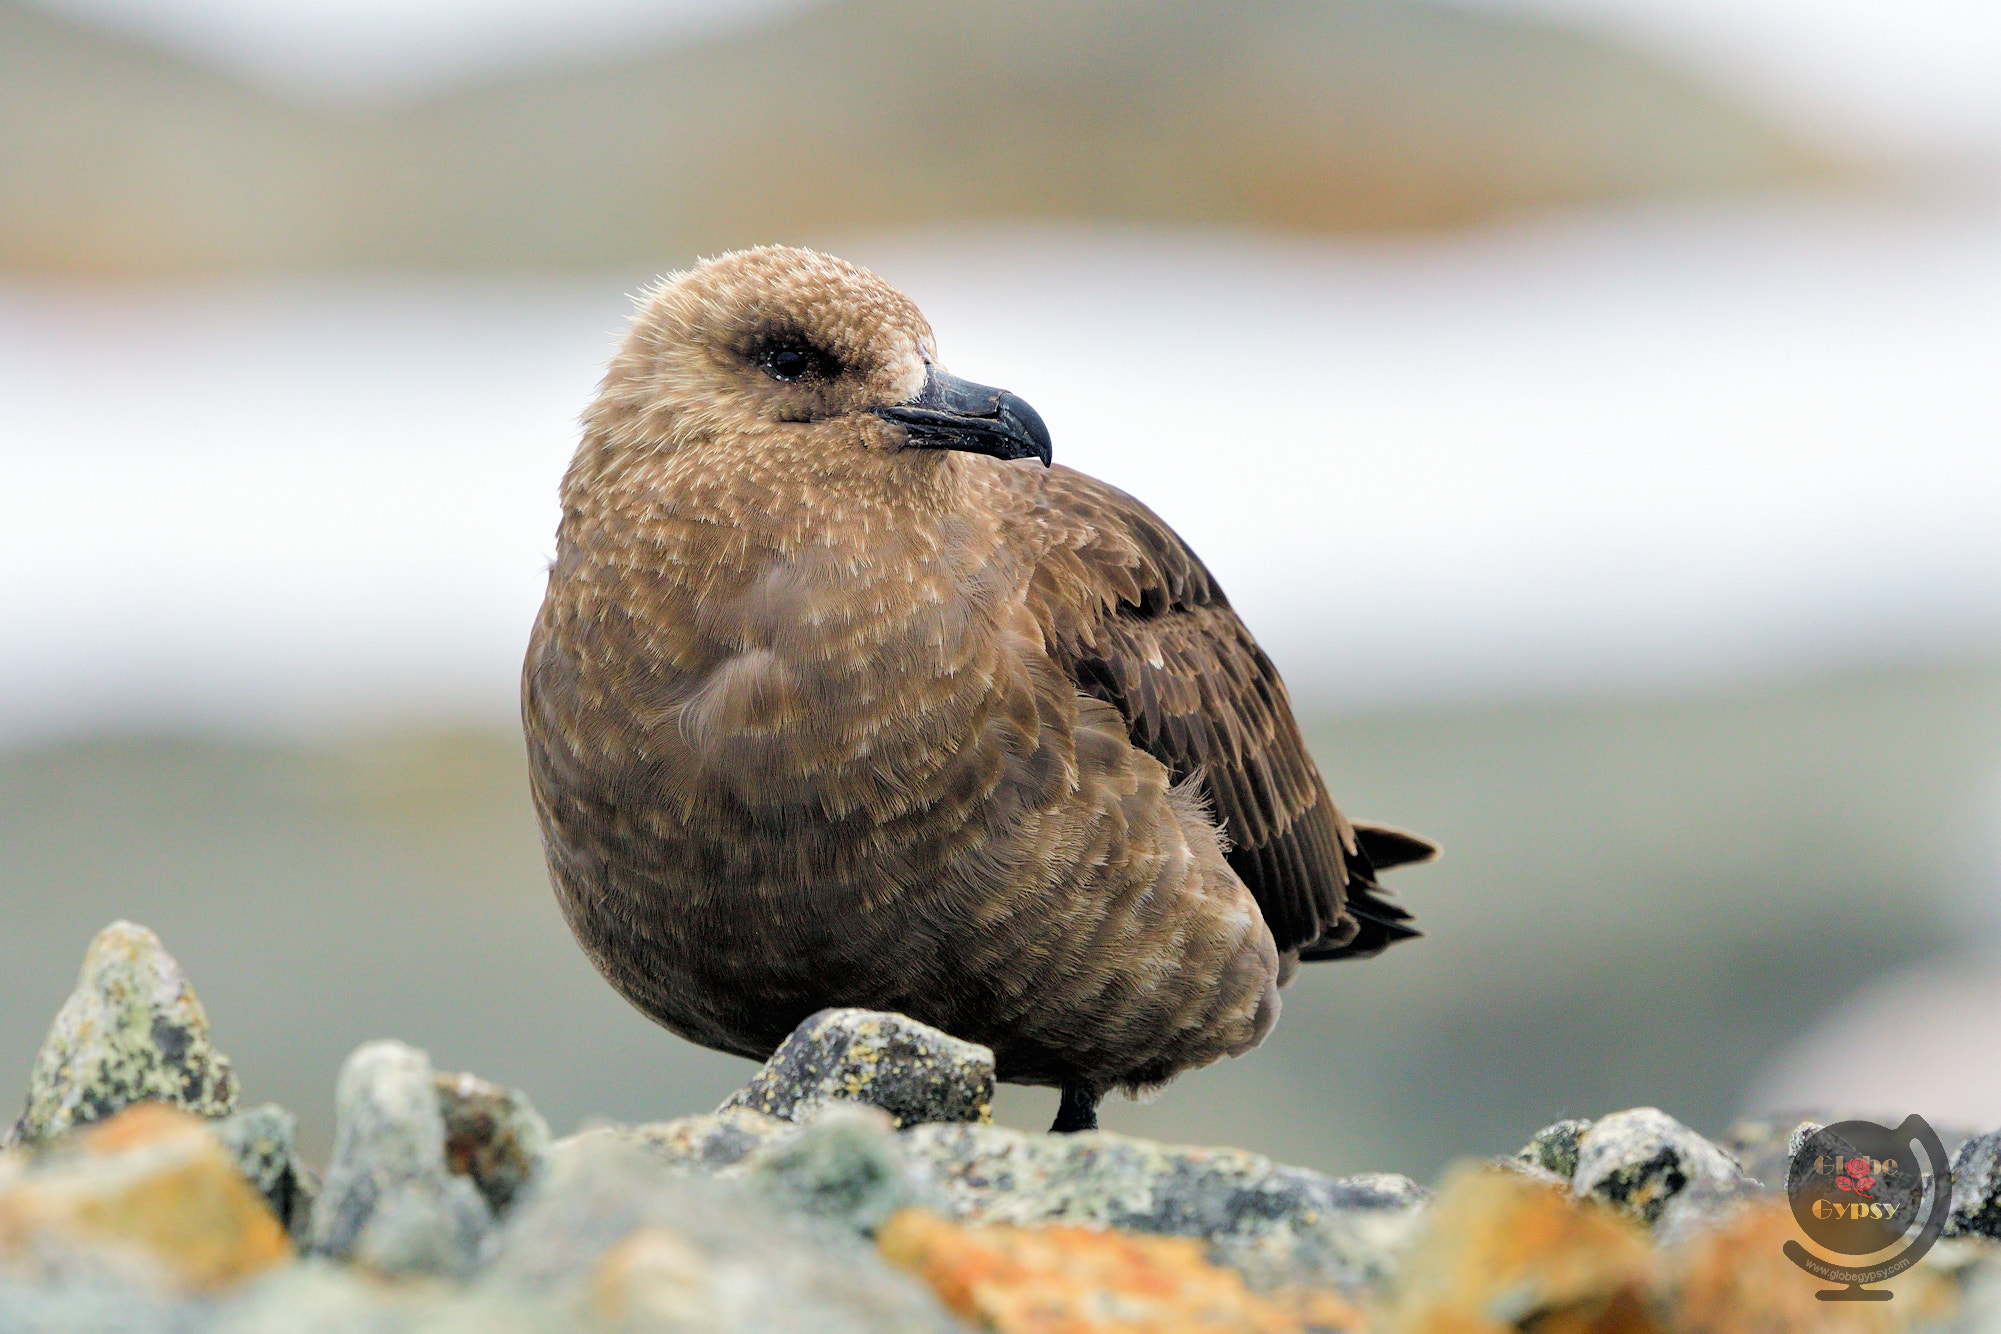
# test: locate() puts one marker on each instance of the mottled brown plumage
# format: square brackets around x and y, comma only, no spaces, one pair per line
[836,699]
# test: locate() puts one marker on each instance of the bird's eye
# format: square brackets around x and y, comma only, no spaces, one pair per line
[788,362]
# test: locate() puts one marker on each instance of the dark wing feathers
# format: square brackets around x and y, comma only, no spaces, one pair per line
[1138,622]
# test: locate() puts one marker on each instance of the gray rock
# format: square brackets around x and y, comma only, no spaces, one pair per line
[641,1245]
[493,1136]
[845,1165]
[1765,1145]
[1533,1171]
[1705,1204]
[1276,1225]
[316,1296]
[910,1070]
[132,1031]
[28,1307]
[1639,1161]
[701,1144]
[262,1141]
[390,1202]
[1554,1148]
[1976,1189]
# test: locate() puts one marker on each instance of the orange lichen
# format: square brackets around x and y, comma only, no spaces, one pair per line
[1072,1280]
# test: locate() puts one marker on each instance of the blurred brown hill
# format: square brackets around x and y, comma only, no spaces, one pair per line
[862,114]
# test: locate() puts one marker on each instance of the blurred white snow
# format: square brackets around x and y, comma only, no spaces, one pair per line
[1630,450]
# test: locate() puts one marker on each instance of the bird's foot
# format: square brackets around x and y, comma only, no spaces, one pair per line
[1078,1110]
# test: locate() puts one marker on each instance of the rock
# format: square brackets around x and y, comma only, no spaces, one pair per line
[260,1140]
[317,1296]
[1531,1171]
[910,1070]
[1035,1280]
[148,1198]
[653,1279]
[390,1202]
[706,1143]
[647,1246]
[1764,1146]
[132,1031]
[94,1308]
[1976,1189]
[1500,1252]
[1554,1148]
[1706,1205]
[1638,1161]
[1278,1226]
[1734,1278]
[493,1136]
[846,1165]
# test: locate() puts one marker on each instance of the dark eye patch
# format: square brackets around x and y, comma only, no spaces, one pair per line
[793,360]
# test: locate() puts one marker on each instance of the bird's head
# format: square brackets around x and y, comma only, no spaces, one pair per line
[785,351]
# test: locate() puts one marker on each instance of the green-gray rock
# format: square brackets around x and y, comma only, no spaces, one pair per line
[706,1143]
[912,1071]
[262,1141]
[1639,1160]
[845,1164]
[132,1031]
[1276,1225]
[494,1137]
[1554,1148]
[390,1202]
[644,1246]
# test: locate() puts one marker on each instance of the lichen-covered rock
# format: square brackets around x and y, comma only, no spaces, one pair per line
[317,1296]
[1976,1189]
[132,1031]
[702,1144]
[494,1137]
[30,1307]
[1278,1226]
[147,1199]
[1639,1160]
[640,1245]
[1039,1280]
[390,1201]
[1764,1145]
[1706,1205]
[1735,1278]
[845,1165]
[1554,1148]
[1501,1252]
[912,1071]
[262,1142]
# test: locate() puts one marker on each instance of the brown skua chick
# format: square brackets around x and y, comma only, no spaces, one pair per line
[842,696]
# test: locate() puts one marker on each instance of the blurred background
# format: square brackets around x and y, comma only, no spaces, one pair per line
[1590,403]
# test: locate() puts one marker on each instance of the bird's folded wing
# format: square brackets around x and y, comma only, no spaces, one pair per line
[1135,618]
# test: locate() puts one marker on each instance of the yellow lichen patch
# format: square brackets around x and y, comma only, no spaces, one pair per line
[1070,1280]
[1735,1279]
[1503,1252]
[149,1190]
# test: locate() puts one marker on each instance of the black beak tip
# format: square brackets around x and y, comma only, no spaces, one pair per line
[1016,410]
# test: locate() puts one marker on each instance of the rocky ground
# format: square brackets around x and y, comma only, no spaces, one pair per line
[856,1183]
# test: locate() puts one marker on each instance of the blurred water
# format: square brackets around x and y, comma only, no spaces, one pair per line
[1639,450]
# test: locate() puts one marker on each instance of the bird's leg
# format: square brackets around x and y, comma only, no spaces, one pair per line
[1078,1110]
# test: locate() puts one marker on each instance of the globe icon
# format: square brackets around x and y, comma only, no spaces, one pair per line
[1859,1189]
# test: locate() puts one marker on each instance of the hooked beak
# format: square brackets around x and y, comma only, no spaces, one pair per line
[950,413]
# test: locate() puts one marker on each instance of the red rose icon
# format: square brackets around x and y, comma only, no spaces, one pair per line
[1857,1178]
